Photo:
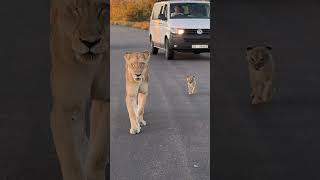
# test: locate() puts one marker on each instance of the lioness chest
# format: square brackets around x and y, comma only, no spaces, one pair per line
[264,74]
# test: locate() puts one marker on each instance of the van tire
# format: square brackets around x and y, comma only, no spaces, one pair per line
[154,50]
[169,53]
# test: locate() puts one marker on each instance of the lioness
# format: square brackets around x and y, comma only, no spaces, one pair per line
[137,79]
[79,43]
[261,70]
[191,84]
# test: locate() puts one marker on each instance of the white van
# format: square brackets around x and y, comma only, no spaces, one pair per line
[180,25]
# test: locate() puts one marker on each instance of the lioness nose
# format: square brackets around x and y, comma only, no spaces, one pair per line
[138,75]
[90,44]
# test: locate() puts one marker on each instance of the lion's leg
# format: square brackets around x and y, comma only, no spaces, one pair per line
[132,110]
[257,95]
[79,134]
[98,154]
[61,127]
[189,89]
[253,93]
[142,98]
[194,88]
[267,93]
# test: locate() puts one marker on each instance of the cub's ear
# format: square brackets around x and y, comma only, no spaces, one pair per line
[269,47]
[146,55]
[127,55]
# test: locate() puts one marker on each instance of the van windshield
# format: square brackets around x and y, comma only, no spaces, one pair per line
[190,10]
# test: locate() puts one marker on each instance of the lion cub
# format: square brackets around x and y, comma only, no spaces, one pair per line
[261,71]
[137,80]
[191,84]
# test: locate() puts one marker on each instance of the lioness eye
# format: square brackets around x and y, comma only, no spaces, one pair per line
[102,9]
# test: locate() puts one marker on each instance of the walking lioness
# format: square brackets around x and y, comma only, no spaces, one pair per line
[79,42]
[137,79]
[261,71]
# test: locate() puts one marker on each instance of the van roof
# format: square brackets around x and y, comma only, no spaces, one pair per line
[183,1]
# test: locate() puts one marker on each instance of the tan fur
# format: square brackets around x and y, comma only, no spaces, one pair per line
[191,84]
[261,71]
[137,81]
[79,27]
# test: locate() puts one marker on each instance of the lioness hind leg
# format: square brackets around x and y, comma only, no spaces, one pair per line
[98,153]
[62,131]
[142,98]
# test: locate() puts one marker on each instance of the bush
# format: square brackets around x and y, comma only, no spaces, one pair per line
[131,10]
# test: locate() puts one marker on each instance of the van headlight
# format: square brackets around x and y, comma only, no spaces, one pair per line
[177,31]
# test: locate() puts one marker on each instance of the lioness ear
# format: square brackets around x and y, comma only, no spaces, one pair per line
[269,47]
[146,55]
[127,55]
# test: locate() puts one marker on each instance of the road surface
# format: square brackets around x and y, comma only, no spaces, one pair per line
[280,140]
[175,143]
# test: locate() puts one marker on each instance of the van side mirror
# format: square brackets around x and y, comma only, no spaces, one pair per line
[162,17]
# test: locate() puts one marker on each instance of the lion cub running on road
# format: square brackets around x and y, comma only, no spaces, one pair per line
[136,74]
[261,71]
[191,84]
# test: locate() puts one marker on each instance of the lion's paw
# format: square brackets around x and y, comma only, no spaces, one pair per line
[255,101]
[135,130]
[142,122]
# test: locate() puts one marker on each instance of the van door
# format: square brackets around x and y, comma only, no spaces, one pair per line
[155,24]
[163,24]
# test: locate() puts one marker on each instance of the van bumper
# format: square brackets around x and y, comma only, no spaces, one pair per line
[184,42]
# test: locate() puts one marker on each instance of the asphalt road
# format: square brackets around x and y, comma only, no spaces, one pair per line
[175,143]
[280,140]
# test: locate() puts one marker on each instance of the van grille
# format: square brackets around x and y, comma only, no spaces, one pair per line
[194,31]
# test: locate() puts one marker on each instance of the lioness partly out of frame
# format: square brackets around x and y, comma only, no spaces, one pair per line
[137,80]
[79,42]
[261,72]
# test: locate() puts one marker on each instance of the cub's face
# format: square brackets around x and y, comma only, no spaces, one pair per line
[85,24]
[258,56]
[137,64]
[190,79]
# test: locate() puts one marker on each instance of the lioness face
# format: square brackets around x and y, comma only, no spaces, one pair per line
[137,63]
[86,25]
[258,56]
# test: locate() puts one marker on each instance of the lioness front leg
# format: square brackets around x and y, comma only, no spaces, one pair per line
[142,98]
[253,93]
[257,95]
[132,110]
[63,137]
[267,91]
[98,154]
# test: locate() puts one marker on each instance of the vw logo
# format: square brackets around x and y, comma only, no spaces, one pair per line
[199,31]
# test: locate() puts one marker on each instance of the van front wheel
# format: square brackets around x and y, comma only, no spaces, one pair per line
[169,53]
[154,50]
